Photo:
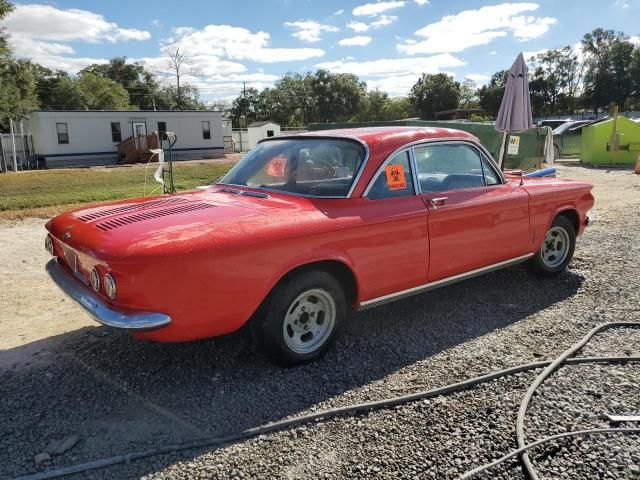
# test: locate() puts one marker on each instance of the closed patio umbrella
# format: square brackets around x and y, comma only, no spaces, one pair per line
[515,110]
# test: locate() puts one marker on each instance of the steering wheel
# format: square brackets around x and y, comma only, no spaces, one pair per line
[322,163]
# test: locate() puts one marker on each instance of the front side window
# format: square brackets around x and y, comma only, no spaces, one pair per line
[395,180]
[206,130]
[318,167]
[116,133]
[448,167]
[63,133]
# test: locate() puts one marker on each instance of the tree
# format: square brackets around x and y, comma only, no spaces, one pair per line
[17,83]
[398,109]
[435,93]
[608,68]
[490,96]
[555,80]
[179,64]
[88,91]
[372,106]
[140,83]
[245,107]
[468,94]
[337,96]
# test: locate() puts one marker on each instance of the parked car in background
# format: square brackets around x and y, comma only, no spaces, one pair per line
[553,123]
[567,138]
[305,229]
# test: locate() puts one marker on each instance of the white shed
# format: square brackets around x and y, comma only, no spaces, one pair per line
[65,138]
[259,130]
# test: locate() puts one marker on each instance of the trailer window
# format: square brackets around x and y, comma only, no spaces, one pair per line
[206,130]
[116,134]
[63,133]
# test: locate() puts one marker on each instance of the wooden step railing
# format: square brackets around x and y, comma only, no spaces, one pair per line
[137,149]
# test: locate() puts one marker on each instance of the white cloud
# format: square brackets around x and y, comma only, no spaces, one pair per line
[46,22]
[358,26]
[479,78]
[43,33]
[528,55]
[218,53]
[622,3]
[309,31]
[422,2]
[395,76]
[373,9]
[157,23]
[237,44]
[358,40]
[379,22]
[469,28]
[338,12]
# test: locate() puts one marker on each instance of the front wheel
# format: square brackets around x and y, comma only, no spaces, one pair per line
[556,250]
[301,318]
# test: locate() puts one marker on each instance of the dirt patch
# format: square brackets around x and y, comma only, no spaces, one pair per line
[31,306]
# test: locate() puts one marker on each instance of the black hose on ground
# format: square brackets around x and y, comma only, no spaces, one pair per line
[527,466]
[311,417]
[521,450]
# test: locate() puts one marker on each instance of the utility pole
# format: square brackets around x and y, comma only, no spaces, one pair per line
[246,109]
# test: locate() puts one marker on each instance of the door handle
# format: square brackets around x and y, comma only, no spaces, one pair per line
[437,202]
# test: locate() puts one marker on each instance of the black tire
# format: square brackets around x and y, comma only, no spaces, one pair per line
[271,324]
[542,263]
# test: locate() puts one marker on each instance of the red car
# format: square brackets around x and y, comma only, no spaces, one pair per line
[305,229]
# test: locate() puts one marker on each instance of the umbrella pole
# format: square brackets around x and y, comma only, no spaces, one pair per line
[501,155]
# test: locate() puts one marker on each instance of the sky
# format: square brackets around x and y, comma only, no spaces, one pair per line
[387,43]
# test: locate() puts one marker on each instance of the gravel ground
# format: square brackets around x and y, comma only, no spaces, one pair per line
[118,395]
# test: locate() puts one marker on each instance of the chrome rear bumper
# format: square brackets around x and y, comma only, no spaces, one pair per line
[98,309]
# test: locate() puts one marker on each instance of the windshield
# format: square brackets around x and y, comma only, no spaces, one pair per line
[317,167]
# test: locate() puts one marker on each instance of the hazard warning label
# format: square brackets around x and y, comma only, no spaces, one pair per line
[395,177]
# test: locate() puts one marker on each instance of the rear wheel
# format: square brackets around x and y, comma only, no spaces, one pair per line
[301,318]
[556,250]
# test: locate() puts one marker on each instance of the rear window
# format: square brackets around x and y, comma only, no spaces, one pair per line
[316,167]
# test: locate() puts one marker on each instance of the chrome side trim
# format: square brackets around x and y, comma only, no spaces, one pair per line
[441,283]
[99,310]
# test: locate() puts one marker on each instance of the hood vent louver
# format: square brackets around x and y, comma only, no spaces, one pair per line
[89,217]
[151,214]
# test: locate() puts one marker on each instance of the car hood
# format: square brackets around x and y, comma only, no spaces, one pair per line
[163,225]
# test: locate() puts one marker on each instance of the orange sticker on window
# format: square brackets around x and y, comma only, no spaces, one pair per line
[395,177]
[276,166]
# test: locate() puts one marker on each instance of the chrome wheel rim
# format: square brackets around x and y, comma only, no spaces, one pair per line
[309,321]
[555,247]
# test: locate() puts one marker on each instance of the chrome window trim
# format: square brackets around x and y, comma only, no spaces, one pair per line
[428,141]
[414,171]
[386,162]
[441,283]
[356,177]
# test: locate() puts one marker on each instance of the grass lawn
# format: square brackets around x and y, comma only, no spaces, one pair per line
[46,193]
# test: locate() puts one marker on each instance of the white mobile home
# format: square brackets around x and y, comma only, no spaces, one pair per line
[91,137]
